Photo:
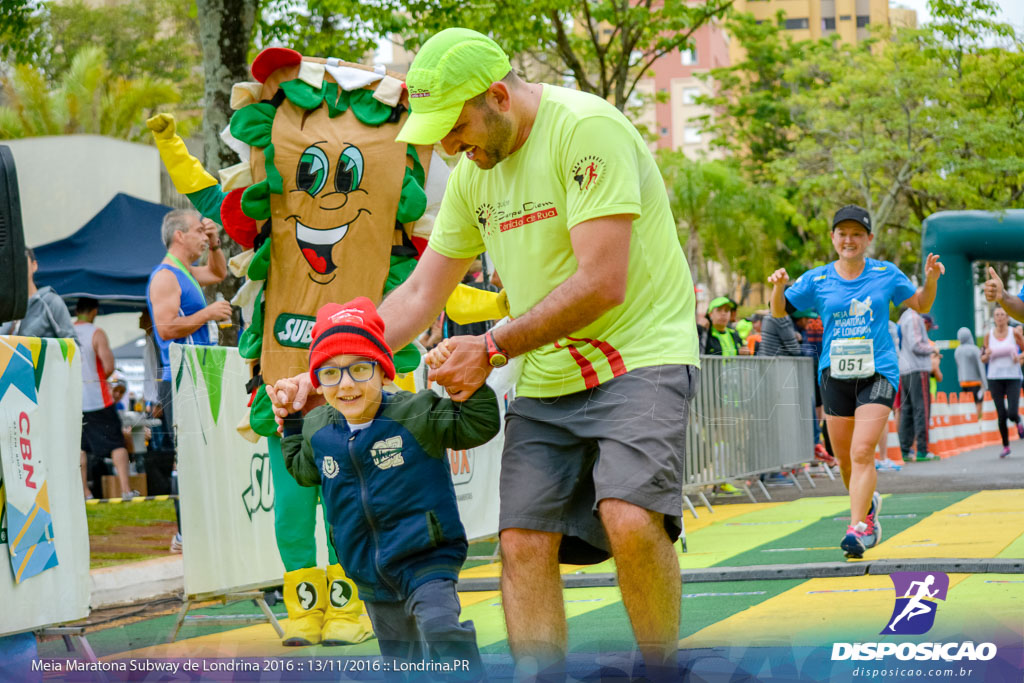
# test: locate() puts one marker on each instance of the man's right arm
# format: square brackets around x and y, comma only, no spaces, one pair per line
[406,312]
[165,297]
[414,304]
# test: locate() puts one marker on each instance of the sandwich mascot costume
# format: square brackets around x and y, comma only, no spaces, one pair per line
[329,207]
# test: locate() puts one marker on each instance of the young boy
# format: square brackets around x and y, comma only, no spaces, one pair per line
[387,489]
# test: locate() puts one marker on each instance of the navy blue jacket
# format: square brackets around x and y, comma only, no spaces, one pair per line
[387,489]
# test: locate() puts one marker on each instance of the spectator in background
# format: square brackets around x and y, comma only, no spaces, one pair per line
[780,338]
[753,339]
[1003,354]
[177,304]
[722,340]
[810,332]
[970,370]
[46,315]
[101,425]
[915,393]
[935,375]
[994,291]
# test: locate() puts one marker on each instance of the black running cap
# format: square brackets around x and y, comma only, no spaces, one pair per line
[852,212]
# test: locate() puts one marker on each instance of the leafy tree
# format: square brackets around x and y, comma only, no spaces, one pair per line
[906,124]
[327,28]
[605,46]
[722,217]
[143,37]
[22,36]
[752,118]
[90,98]
[904,133]
[226,29]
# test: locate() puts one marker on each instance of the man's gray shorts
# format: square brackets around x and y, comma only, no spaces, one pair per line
[623,439]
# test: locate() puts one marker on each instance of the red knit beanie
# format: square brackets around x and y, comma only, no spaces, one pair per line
[353,328]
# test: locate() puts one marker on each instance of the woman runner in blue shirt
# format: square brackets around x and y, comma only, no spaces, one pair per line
[858,369]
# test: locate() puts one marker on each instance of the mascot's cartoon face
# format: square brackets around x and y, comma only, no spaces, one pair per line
[332,190]
[333,182]
[332,195]
[341,182]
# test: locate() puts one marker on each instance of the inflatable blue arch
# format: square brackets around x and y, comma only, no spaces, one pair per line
[960,238]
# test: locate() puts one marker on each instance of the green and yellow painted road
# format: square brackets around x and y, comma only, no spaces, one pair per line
[793,612]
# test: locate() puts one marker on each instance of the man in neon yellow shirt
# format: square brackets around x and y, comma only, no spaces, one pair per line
[561,191]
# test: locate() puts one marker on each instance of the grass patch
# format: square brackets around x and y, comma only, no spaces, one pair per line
[120,533]
[105,518]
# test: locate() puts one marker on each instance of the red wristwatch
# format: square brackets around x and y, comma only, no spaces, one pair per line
[495,355]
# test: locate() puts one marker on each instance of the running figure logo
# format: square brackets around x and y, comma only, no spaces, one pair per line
[587,172]
[914,612]
[859,308]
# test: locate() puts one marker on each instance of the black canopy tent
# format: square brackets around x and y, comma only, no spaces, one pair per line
[109,258]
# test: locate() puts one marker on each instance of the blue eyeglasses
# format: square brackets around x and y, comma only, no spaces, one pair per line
[360,371]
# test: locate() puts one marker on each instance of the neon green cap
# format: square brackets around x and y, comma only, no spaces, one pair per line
[718,302]
[455,65]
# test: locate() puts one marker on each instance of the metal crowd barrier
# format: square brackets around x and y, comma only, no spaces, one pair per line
[751,416]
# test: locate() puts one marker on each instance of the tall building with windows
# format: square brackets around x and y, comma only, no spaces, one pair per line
[813,19]
[675,77]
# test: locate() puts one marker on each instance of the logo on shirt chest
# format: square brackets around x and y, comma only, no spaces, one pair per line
[505,217]
[485,217]
[387,453]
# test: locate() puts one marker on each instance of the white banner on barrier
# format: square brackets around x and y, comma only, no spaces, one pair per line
[44,537]
[227,495]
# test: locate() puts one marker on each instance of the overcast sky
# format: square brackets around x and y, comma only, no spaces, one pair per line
[1013,10]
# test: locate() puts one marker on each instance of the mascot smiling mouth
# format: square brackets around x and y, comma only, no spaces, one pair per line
[316,246]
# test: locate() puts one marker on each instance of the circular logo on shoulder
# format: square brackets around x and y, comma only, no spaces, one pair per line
[306,593]
[330,467]
[341,593]
[588,172]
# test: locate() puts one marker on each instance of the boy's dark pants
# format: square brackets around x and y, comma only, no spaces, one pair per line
[426,628]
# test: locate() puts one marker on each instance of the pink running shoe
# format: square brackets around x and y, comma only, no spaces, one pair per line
[822,455]
[853,543]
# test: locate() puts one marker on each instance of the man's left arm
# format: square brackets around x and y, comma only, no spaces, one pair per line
[216,268]
[101,347]
[601,248]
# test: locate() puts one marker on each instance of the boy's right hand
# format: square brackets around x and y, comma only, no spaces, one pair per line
[436,356]
[289,395]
